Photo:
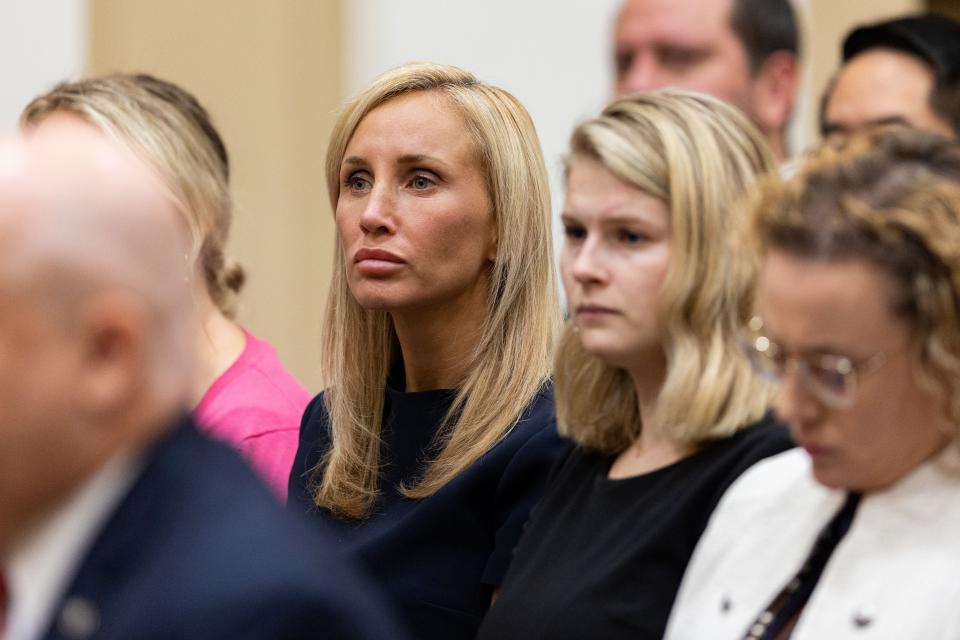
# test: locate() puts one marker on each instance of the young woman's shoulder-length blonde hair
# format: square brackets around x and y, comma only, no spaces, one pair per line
[699,156]
[170,130]
[511,362]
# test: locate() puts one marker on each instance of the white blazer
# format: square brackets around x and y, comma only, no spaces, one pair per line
[895,575]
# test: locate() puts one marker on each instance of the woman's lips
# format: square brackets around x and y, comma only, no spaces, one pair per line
[593,313]
[377,262]
[816,451]
[594,309]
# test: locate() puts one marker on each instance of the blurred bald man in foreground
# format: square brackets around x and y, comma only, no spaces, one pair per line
[117,520]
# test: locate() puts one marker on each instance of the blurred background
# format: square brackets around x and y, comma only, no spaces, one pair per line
[274,73]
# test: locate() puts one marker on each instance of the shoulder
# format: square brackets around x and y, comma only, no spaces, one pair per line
[259,375]
[747,446]
[757,536]
[541,410]
[255,396]
[264,361]
[763,438]
[315,413]
[538,419]
[314,441]
[782,475]
[535,434]
[212,546]
[771,493]
[315,424]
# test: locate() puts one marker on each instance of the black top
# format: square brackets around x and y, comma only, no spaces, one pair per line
[440,558]
[603,558]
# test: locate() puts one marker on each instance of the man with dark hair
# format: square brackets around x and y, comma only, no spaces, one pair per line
[742,51]
[900,71]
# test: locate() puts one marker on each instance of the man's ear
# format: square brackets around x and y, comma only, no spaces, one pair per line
[112,337]
[774,91]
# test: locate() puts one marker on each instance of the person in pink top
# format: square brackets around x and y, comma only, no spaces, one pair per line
[243,394]
[257,404]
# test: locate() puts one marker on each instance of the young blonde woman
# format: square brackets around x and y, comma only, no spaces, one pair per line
[244,394]
[650,381]
[436,431]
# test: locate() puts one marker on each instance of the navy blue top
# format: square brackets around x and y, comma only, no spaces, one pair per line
[441,557]
[199,548]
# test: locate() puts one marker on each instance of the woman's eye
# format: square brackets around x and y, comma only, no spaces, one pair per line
[828,376]
[573,232]
[421,182]
[630,237]
[356,183]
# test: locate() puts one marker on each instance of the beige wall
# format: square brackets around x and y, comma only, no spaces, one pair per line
[269,72]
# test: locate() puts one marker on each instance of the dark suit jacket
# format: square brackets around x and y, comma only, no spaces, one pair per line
[200,549]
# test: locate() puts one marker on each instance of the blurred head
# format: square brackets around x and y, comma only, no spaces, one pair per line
[95,349]
[859,304]
[441,198]
[169,129]
[741,51]
[653,278]
[904,71]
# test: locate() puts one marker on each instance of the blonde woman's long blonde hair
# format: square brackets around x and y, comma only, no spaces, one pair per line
[699,156]
[511,361]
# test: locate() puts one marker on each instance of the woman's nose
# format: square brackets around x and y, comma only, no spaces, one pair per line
[587,266]
[379,211]
[795,405]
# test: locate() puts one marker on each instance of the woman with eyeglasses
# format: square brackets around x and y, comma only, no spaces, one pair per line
[663,405]
[854,535]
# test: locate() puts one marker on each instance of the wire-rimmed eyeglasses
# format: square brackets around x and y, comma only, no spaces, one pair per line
[831,378]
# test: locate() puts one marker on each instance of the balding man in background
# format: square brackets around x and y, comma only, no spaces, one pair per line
[904,71]
[744,52]
[117,519]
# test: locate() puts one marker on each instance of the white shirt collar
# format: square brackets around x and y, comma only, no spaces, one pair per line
[40,570]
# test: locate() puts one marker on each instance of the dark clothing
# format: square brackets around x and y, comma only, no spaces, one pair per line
[199,549]
[603,558]
[441,557]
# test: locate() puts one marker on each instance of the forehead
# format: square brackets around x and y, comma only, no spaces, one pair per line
[17,202]
[595,192]
[880,84]
[811,302]
[422,122]
[673,21]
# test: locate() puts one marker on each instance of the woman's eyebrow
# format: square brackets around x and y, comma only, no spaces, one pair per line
[414,158]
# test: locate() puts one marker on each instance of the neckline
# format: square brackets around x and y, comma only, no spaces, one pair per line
[605,479]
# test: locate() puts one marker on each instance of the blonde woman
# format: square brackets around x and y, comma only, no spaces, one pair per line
[854,534]
[650,381]
[244,394]
[436,431]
